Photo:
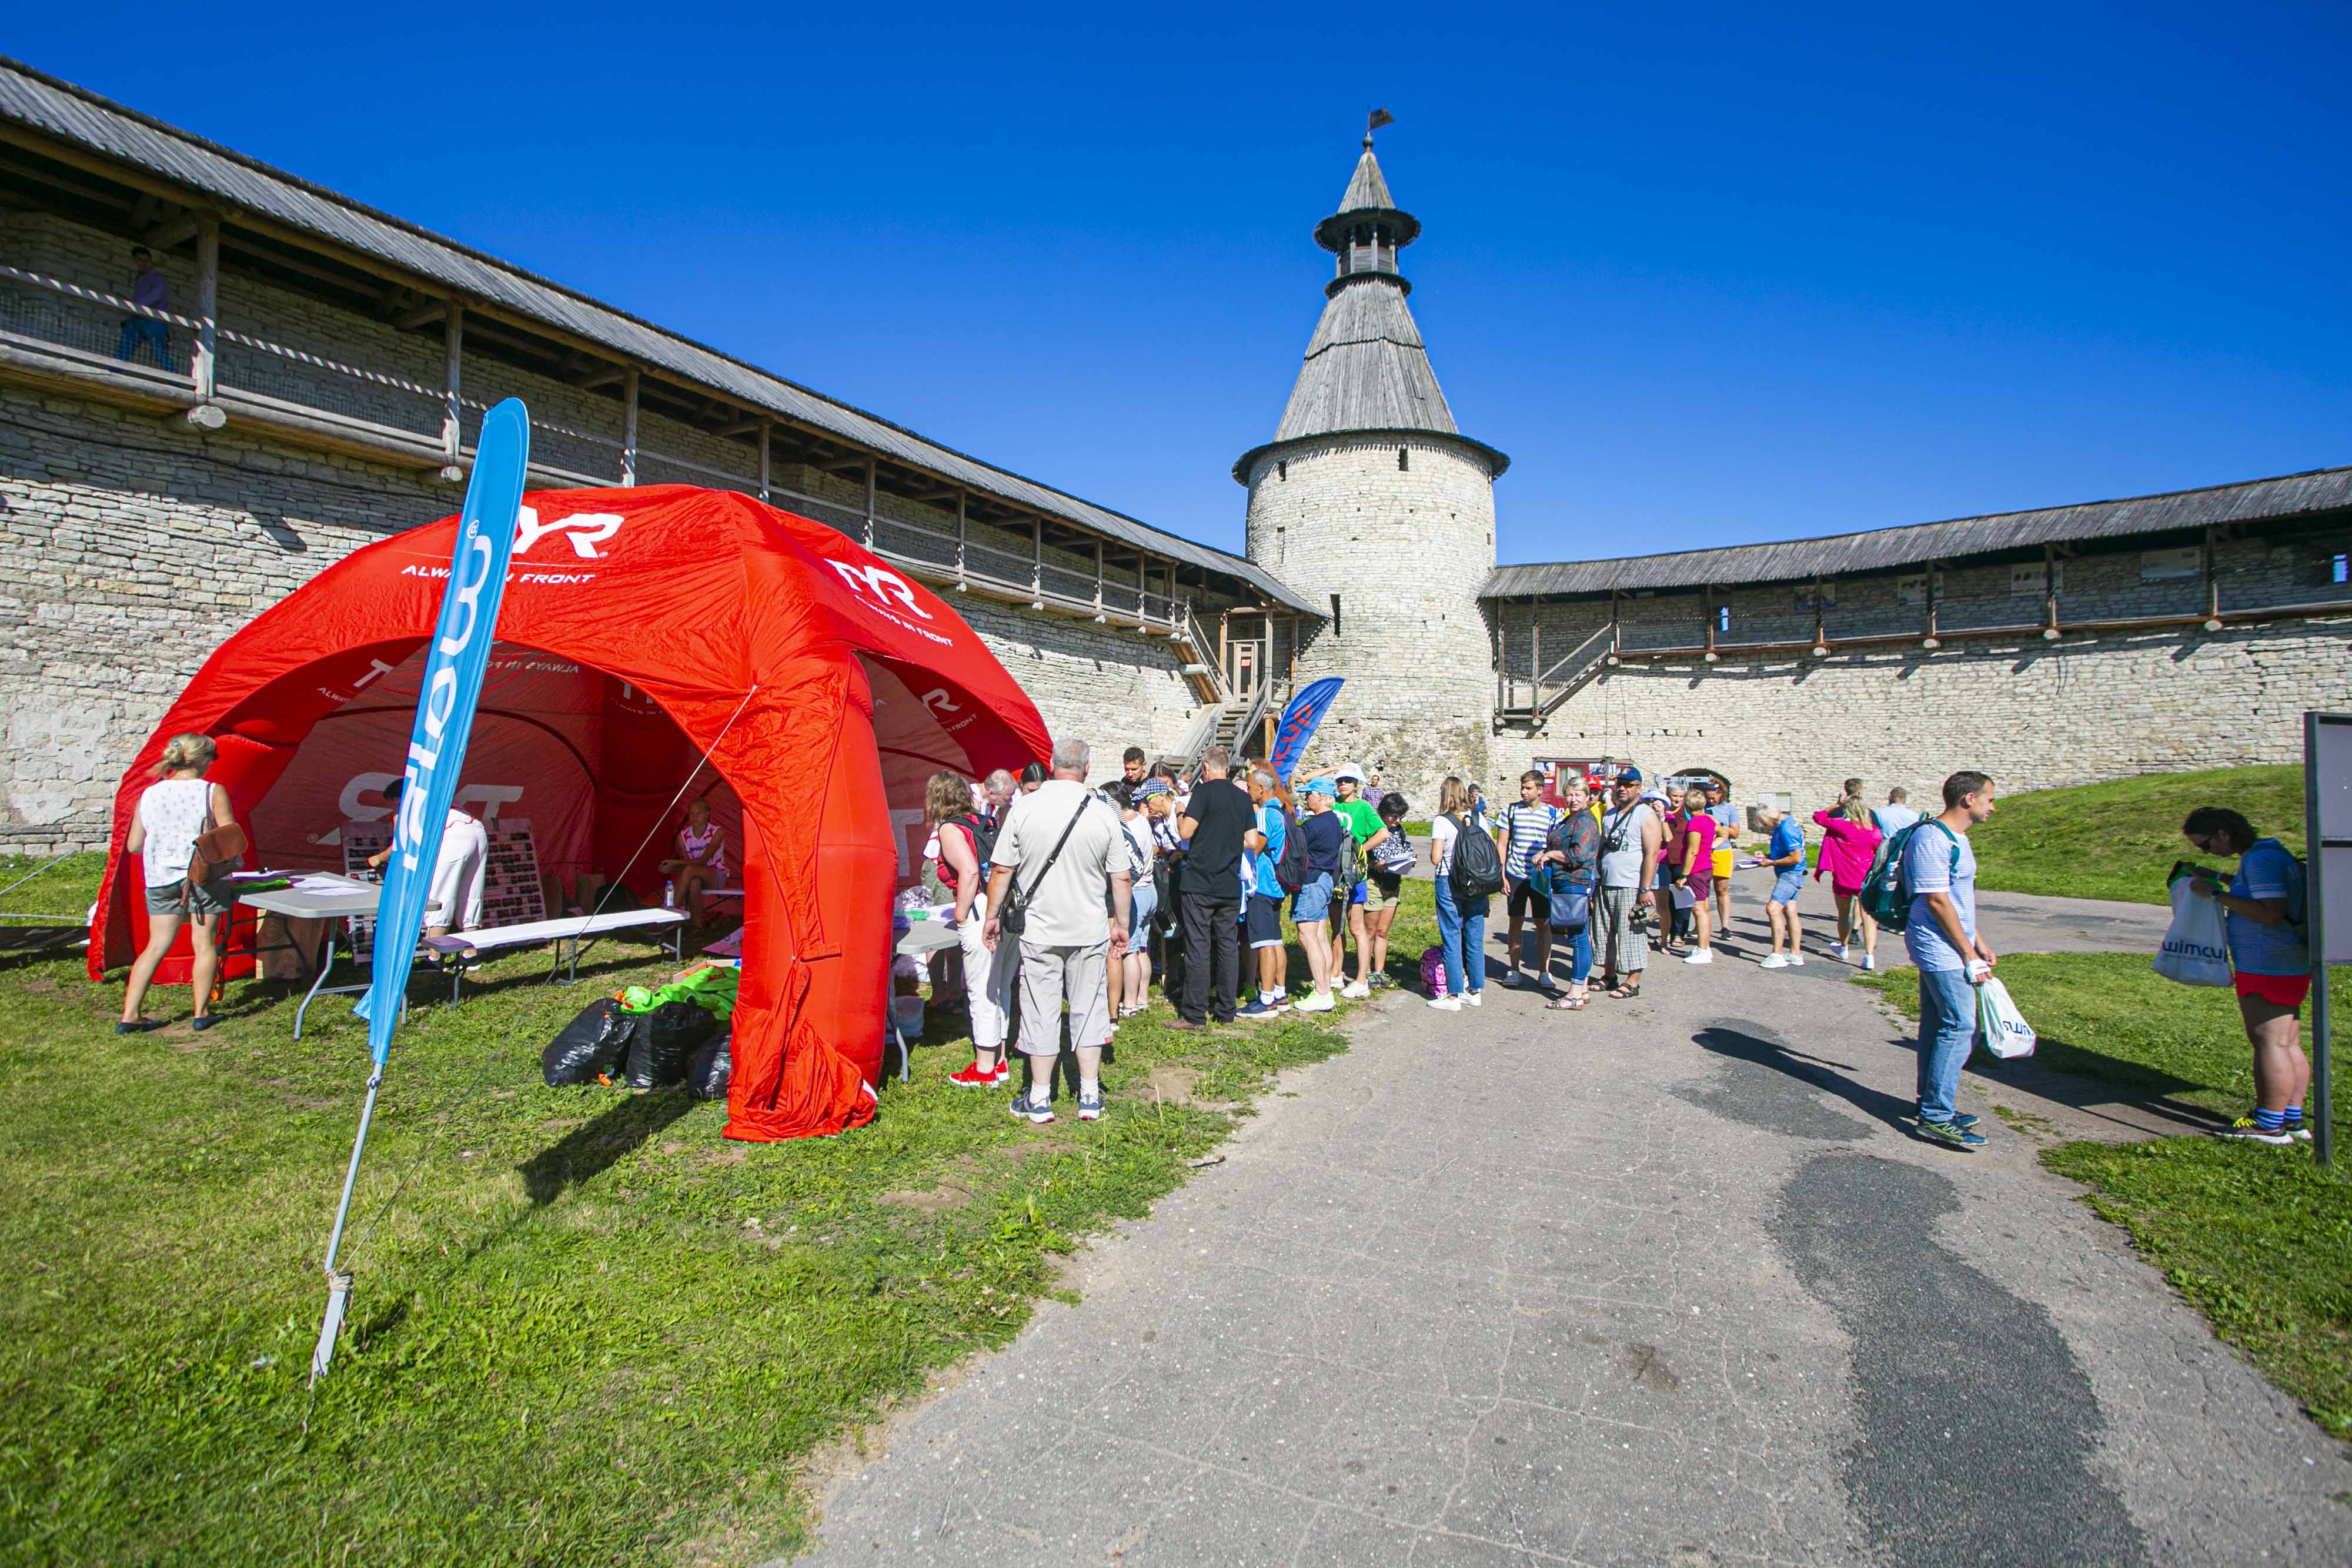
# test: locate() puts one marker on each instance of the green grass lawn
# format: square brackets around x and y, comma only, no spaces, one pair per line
[65,888]
[2259,1239]
[2118,839]
[590,1330]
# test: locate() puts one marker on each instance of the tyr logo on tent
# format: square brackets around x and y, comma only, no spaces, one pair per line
[881,585]
[584,530]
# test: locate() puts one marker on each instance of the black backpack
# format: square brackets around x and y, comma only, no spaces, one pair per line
[1478,867]
[983,834]
[1290,872]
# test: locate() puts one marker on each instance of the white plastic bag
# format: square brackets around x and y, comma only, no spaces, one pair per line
[2006,1032]
[2195,950]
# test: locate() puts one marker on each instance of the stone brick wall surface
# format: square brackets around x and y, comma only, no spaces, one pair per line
[2034,715]
[1406,549]
[131,547]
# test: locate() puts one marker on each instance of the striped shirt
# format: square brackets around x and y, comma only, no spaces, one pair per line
[1528,826]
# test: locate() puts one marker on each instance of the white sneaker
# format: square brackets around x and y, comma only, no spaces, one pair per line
[1773,961]
[1796,960]
[1356,992]
[1869,962]
[1446,1004]
[1319,1002]
[1475,998]
[1700,955]
[1837,951]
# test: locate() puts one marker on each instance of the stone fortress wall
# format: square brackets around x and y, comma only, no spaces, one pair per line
[1405,545]
[2036,714]
[131,546]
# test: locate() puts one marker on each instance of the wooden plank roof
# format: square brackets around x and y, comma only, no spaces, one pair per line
[2319,491]
[71,115]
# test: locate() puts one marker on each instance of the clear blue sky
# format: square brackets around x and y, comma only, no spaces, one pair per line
[1712,276]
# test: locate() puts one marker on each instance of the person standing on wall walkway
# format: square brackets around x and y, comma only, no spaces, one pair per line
[1055,855]
[1528,824]
[1461,928]
[1213,826]
[1630,839]
[1786,857]
[149,289]
[2270,960]
[1939,872]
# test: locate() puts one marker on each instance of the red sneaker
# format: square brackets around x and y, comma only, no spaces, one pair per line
[978,1077]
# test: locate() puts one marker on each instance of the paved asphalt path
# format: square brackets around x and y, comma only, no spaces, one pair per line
[1662,1281]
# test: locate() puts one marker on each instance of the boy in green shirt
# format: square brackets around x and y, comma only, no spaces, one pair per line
[1347,904]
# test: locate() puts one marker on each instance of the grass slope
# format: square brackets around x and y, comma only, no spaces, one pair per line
[2119,839]
[590,1331]
[2258,1239]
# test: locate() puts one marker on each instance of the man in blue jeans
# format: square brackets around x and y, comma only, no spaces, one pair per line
[1939,872]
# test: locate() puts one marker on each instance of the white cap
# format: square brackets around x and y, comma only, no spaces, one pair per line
[1347,770]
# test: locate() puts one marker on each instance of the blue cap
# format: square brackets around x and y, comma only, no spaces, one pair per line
[1322,787]
[1629,776]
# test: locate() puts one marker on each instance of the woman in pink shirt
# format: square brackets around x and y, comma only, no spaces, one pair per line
[1849,844]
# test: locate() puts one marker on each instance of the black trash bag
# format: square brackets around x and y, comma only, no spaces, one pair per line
[707,1075]
[663,1042]
[594,1042]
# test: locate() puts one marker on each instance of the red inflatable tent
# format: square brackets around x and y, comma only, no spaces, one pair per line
[642,627]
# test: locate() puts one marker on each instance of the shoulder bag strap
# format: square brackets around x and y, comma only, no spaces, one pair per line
[1020,899]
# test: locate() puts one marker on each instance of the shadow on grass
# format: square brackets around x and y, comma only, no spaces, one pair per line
[588,1150]
[2086,1081]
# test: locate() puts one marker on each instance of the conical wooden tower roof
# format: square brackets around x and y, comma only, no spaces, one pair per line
[1366,368]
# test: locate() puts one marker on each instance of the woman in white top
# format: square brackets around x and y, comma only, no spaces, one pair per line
[163,831]
[1133,987]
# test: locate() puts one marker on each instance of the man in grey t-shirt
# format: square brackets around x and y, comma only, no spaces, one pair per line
[1059,847]
[1629,836]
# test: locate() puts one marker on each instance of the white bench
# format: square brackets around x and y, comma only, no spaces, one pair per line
[460,949]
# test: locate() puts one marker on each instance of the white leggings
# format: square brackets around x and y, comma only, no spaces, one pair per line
[987,979]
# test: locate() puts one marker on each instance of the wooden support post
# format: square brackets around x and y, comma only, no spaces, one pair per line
[767,429]
[1502,654]
[203,367]
[452,411]
[869,502]
[2212,583]
[1099,579]
[1934,577]
[1037,563]
[960,527]
[1821,631]
[1535,648]
[1143,593]
[628,427]
[2049,591]
[1707,604]
[1225,659]
[1294,654]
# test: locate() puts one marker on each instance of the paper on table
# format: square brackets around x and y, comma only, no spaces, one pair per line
[324,884]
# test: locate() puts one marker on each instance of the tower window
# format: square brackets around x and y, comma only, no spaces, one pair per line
[1335,615]
[1404,458]
[1282,470]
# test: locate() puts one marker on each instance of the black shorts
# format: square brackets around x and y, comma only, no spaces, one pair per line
[1263,920]
[1523,894]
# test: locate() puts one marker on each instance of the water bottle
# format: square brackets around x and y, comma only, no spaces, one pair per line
[670,895]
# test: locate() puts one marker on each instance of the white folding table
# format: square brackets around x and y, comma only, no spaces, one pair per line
[323,895]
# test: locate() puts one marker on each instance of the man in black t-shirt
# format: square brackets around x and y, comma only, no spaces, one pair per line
[1214,820]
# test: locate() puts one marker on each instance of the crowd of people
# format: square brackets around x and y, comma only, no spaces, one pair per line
[1067,898]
